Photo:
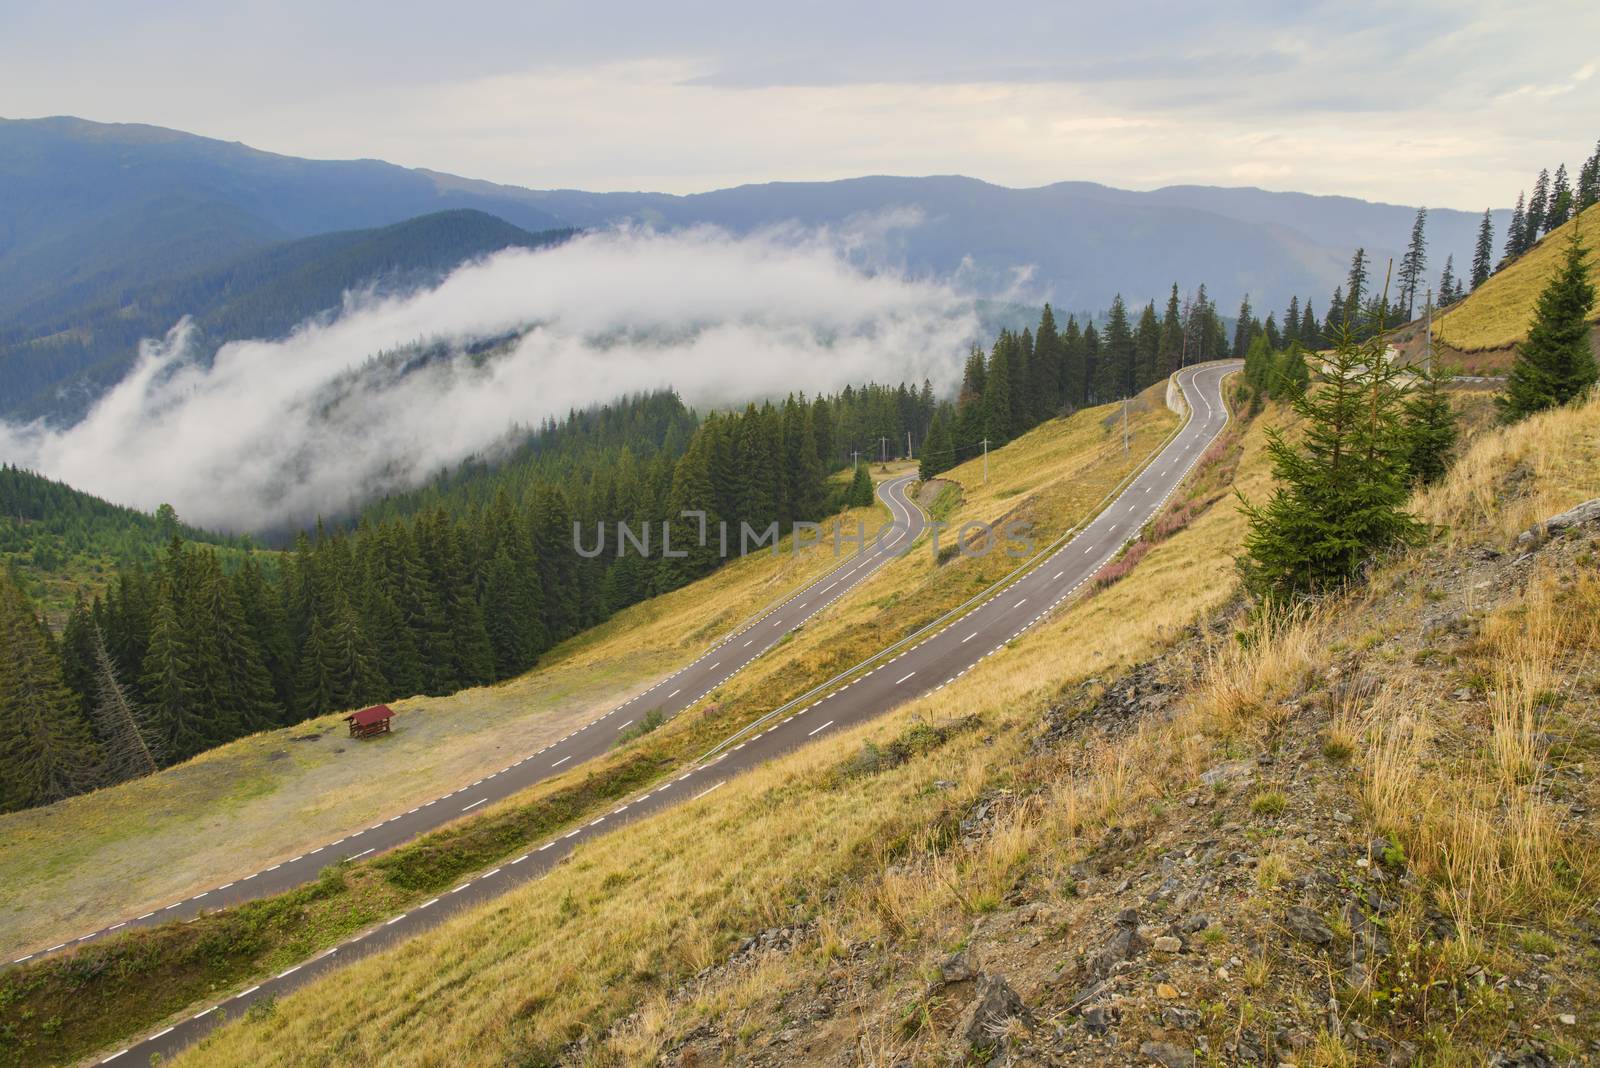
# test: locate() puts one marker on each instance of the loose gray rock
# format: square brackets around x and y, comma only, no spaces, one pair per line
[1169,1054]
[1167,944]
[1587,512]
[1305,924]
[1180,1019]
[984,1021]
[1123,943]
[957,968]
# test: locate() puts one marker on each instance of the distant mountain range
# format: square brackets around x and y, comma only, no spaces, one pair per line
[109,233]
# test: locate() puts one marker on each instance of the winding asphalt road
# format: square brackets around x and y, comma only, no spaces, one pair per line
[924,662]
[672,695]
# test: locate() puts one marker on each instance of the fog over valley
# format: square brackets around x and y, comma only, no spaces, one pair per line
[390,390]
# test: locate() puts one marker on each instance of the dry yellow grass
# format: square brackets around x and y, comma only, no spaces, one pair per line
[95,859]
[663,899]
[1477,818]
[1498,313]
[1509,480]
[612,933]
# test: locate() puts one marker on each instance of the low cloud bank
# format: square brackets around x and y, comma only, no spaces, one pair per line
[277,432]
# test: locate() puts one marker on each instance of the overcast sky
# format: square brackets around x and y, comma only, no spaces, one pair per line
[1449,104]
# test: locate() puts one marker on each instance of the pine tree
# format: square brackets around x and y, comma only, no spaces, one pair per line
[1091,363]
[1448,293]
[938,452]
[1538,209]
[228,674]
[1555,365]
[1291,321]
[46,750]
[1147,349]
[1588,191]
[1414,263]
[860,494]
[1045,370]
[997,392]
[969,402]
[1429,425]
[1258,363]
[182,726]
[1170,355]
[692,491]
[1516,235]
[1355,286]
[1483,253]
[1334,322]
[1291,375]
[1242,335]
[1270,330]
[1341,490]
[1560,209]
[1114,375]
[1310,331]
[131,749]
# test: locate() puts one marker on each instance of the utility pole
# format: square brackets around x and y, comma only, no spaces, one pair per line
[855,454]
[1124,428]
[883,444]
[986,459]
[908,445]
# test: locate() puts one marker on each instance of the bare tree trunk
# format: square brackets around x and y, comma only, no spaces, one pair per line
[129,753]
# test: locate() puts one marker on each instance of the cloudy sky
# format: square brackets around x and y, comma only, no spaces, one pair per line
[1449,104]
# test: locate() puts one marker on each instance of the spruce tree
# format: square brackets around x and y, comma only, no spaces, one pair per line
[1334,321]
[1355,286]
[1291,321]
[692,491]
[938,452]
[1258,363]
[1429,424]
[1170,355]
[228,674]
[1414,263]
[1516,235]
[1555,365]
[860,493]
[1114,374]
[1341,489]
[1538,210]
[182,727]
[1046,367]
[969,402]
[1560,209]
[1447,283]
[1074,368]
[1147,349]
[997,393]
[1588,191]
[1483,252]
[1291,375]
[1242,334]
[46,750]
[1091,363]
[1310,330]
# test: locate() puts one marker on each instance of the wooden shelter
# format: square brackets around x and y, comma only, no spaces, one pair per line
[370,722]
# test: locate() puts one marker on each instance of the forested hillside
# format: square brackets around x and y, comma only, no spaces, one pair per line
[62,350]
[464,583]
[61,541]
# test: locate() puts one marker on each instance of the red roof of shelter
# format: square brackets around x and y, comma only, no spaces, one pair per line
[368,716]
